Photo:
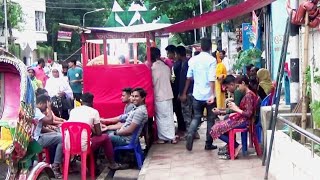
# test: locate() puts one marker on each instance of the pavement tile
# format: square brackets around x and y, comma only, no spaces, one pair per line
[233,176]
[175,162]
[129,174]
[214,177]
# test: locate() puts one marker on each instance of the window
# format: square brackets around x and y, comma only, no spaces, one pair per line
[40,21]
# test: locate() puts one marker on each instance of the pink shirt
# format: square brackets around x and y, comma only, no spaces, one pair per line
[41,75]
[169,62]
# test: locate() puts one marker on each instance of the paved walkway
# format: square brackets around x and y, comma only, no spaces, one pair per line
[174,162]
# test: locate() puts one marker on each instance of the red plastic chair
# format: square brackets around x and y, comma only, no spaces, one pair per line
[47,155]
[75,129]
[253,138]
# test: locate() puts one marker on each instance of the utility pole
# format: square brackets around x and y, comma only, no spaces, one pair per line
[294,62]
[5,25]
[215,30]
[195,30]
[202,28]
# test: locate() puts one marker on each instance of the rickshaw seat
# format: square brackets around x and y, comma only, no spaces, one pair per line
[5,141]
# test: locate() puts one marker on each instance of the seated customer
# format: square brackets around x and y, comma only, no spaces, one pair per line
[240,119]
[47,139]
[116,122]
[86,114]
[136,119]
[55,126]
[230,83]
[265,83]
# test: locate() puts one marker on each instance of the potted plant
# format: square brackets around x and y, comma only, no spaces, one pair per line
[249,56]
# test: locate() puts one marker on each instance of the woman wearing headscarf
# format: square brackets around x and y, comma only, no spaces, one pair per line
[60,93]
[34,81]
[265,83]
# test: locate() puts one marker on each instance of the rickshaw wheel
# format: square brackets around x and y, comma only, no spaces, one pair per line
[43,176]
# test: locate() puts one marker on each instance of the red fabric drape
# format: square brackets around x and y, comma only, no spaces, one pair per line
[215,17]
[106,83]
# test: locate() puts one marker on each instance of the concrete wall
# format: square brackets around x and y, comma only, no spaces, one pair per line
[291,160]
[313,58]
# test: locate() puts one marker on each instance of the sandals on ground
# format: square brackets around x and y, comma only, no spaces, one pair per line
[225,156]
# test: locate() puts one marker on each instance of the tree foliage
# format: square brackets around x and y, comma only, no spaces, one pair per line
[14,15]
[179,10]
[71,12]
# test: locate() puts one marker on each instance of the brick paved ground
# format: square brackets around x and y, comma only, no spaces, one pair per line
[175,162]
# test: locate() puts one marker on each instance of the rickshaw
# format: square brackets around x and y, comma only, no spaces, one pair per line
[18,151]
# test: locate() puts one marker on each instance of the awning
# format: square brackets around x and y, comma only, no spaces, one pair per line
[132,29]
[210,18]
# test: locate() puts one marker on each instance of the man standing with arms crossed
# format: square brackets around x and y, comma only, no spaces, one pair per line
[202,69]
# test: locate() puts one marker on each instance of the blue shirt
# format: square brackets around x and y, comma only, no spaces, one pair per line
[183,78]
[75,74]
[202,68]
[38,116]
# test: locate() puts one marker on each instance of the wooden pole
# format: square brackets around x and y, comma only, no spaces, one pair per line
[84,49]
[304,75]
[105,51]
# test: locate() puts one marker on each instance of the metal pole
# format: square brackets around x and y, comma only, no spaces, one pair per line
[84,15]
[195,30]
[202,29]
[83,18]
[5,25]
[278,91]
[294,62]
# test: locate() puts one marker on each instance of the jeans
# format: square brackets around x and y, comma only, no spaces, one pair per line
[51,139]
[118,141]
[198,107]
[186,108]
[225,137]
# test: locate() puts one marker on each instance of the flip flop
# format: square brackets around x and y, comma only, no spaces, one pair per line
[159,142]
[225,156]
[175,141]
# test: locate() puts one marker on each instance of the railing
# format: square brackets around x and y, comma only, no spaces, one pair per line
[314,139]
[282,117]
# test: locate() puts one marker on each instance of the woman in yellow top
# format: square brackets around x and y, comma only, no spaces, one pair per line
[221,73]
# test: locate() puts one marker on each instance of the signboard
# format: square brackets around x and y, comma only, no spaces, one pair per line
[247,36]
[278,19]
[64,36]
[255,28]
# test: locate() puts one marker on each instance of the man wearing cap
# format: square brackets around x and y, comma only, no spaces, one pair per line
[34,81]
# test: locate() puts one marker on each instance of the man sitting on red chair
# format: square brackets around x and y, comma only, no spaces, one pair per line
[86,114]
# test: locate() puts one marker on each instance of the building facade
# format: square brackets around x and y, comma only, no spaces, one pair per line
[32,30]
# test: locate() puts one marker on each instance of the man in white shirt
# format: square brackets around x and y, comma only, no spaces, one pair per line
[86,114]
[163,95]
[202,69]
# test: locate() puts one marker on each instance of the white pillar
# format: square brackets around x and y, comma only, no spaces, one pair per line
[294,63]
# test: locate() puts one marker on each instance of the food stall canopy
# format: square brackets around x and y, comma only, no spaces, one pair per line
[210,18]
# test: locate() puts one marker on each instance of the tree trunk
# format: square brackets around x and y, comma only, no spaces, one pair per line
[304,75]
